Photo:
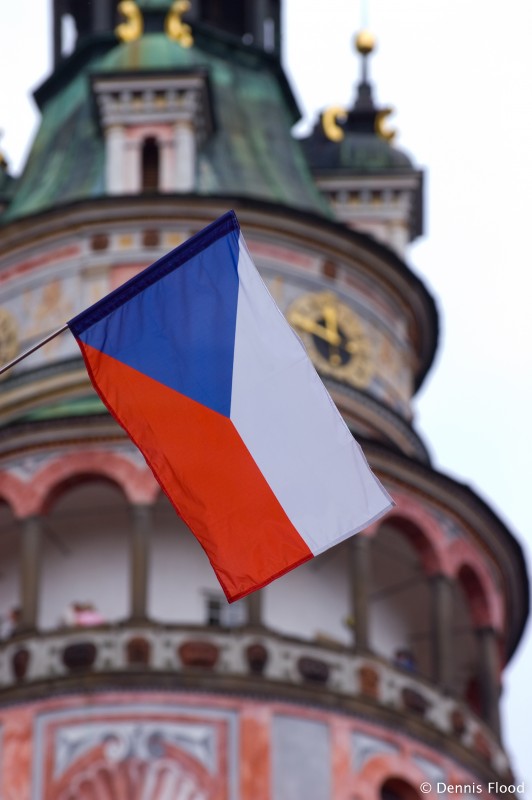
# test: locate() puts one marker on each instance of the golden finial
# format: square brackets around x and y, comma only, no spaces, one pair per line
[133,27]
[365,42]
[174,26]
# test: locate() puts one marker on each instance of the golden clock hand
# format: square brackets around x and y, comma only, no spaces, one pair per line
[330,315]
[309,326]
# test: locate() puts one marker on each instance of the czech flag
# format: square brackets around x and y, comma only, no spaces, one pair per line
[198,365]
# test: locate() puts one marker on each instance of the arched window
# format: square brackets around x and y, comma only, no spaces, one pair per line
[471,614]
[400,599]
[475,594]
[150,165]
[397,789]
[84,555]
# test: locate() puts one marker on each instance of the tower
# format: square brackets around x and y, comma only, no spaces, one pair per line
[347,678]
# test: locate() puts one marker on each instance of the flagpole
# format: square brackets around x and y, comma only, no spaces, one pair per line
[32,349]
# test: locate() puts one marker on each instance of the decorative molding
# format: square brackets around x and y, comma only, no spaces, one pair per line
[144,741]
[365,747]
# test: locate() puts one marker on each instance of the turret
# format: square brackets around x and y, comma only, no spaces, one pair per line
[372,185]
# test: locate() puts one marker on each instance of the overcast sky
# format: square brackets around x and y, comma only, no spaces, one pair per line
[459,74]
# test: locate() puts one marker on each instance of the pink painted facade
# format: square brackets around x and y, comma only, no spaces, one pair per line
[124,746]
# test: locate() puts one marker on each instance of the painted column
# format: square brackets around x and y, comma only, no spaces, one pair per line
[167,169]
[141,530]
[441,627]
[185,155]
[489,670]
[114,159]
[255,608]
[131,166]
[30,574]
[360,566]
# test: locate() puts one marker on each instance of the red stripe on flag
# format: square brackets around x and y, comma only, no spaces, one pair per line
[206,470]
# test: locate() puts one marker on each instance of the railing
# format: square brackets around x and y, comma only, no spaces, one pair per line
[283,666]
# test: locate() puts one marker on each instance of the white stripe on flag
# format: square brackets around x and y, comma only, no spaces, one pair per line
[292,428]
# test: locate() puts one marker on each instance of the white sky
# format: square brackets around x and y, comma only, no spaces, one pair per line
[459,74]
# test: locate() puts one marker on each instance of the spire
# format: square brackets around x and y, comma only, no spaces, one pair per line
[365,116]
[371,185]
[365,45]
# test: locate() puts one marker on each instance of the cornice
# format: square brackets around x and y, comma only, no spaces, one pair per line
[329,239]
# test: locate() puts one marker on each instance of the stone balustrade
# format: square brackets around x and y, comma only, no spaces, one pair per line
[247,659]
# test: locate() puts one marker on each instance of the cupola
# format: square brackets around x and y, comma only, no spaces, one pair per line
[371,185]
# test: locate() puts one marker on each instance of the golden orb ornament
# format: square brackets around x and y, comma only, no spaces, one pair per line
[365,42]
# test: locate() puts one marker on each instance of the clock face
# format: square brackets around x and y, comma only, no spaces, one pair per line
[9,343]
[333,336]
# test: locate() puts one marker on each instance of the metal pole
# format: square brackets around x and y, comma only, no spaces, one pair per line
[32,349]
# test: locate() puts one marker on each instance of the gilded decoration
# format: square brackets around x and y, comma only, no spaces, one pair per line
[334,337]
[133,27]
[9,336]
[175,28]
[329,121]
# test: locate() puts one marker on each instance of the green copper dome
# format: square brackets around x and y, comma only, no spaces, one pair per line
[250,153]
[357,152]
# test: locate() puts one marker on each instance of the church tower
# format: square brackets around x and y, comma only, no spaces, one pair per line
[366,673]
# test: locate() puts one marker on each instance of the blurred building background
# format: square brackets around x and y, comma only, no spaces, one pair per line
[123,671]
